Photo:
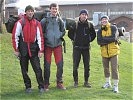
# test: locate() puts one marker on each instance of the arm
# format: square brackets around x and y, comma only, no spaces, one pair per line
[71,31]
[43,25]
[113,36]
[100,40]
[40,39]
[62,28]
[92,33]
[15,35]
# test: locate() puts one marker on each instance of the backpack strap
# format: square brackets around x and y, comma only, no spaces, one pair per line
[23,22]
[76,27]
[60,28]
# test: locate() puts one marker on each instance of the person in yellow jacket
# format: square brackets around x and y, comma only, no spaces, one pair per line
[107,38]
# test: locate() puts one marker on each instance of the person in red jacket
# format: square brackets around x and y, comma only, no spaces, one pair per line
[28,44]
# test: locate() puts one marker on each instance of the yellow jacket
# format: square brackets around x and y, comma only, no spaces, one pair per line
[107,39]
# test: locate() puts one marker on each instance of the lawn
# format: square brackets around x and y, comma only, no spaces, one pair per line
[12,87]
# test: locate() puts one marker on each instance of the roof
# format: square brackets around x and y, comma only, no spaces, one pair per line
[70,2]
[123,15]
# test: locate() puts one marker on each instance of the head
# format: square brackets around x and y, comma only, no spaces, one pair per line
[54,9]
[104,20]
[83,15]
[29,10]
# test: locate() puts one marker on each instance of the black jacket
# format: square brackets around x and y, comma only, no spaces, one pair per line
[82,34]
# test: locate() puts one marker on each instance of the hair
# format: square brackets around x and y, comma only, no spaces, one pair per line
[53,5]
[29,7]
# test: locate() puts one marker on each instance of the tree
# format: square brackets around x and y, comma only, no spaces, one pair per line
[1,14]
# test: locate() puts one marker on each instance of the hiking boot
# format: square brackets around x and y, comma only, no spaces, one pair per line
[115,89]
[86,84]
[60,86]
[106,85]
[41,90]
[76,84]
[46,87]
[28,90]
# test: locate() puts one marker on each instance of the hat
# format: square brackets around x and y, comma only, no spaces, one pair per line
[83,11]
[29,7]
[104,16]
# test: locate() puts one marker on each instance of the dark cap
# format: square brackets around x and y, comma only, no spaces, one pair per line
[29,7]
[104,16]
[83,11]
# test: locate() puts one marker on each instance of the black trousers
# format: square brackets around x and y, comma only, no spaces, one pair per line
[77,52]
[35,62]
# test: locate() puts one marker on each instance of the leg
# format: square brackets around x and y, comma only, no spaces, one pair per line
[106,67]
[24,60]
[76,60]
[59,62]
[106,72]
[115,73]
[47,63]
[86,61]
[35,62]
[114,67]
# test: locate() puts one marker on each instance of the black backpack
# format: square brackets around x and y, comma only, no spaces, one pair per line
[11,22]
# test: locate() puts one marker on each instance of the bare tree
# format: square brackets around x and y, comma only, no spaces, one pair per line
[1,14]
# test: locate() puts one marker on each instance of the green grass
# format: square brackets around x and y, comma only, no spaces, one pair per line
[12,87]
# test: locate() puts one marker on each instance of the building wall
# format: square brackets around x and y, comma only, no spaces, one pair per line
[124,21]
[72,11]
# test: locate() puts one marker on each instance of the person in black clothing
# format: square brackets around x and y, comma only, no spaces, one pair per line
[82,32]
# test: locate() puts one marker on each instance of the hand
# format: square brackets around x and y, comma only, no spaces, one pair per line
[40,54]
[17,54]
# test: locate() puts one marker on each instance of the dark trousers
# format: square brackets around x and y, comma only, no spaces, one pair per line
[77,52]
[35,62]
[57,51]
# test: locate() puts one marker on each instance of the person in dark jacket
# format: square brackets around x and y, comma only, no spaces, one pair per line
[82,32]
[107,38]
[53,29]
[28,43]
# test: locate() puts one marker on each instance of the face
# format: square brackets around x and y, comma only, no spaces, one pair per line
[83,17]
[29,14]
[104,21]
[54,11]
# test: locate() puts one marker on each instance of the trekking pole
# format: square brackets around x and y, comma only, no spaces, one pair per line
[64,44]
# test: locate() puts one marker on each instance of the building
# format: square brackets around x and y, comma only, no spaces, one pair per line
[120,13]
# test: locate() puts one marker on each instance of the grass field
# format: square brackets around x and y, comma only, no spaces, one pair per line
[12,87]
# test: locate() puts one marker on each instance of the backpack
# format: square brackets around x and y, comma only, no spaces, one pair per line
[11,22]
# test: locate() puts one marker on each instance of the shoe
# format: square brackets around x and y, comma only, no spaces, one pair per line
[86,84]
[46,87]
[106,85]
[41,90]
[28,90]
[75,84]
[60,86]
[115,89]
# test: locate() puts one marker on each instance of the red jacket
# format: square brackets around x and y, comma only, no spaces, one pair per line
[31,32]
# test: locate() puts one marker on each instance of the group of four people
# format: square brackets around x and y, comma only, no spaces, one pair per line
[32,38]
